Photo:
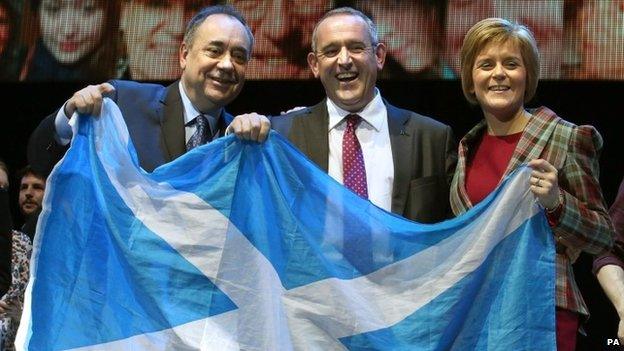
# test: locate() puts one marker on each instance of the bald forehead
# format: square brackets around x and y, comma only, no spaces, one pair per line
[339,22]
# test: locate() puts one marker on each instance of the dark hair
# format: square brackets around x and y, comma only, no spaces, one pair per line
[28,170]
[204,13]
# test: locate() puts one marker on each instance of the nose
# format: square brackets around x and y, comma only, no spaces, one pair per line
[344,57]
[498,72]
[225,63]
[277,25]
[70,26]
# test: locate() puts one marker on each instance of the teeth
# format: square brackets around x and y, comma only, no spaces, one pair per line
[346,75]
[499,88]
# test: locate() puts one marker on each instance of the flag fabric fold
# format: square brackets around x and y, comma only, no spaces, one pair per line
[244,246]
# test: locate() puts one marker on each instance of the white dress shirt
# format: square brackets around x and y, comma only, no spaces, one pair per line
[374,138]
[64,132]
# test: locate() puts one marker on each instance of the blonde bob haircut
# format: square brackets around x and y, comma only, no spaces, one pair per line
[499,30]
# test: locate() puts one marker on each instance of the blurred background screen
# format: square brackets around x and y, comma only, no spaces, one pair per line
[95,40]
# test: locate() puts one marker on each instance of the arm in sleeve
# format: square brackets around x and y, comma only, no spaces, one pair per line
[616,255]
[584,223]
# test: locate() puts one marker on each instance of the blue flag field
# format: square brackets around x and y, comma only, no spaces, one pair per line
[246,246]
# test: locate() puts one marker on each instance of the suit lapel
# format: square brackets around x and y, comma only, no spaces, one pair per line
[172,122]
[532,142]
[402,155]
[315,130]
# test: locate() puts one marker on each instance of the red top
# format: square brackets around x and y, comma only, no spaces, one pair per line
[488,164]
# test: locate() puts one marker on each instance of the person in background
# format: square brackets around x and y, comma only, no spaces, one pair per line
[16,250]
[499,72]
[31,191]
[71,40]
[152,32]
[609,268]
[282,29]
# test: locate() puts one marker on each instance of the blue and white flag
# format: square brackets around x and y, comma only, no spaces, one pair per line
[246,246]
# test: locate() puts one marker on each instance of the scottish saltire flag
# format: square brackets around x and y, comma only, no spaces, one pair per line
[245,246]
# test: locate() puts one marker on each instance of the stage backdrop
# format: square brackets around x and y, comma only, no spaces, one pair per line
[82,40]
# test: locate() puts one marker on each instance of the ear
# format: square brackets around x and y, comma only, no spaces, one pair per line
[313,63]
[380,55]
[184,50]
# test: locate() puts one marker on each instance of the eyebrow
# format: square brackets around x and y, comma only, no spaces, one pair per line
[221,44]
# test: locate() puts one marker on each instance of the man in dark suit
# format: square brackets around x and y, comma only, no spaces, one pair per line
[400,160]
[165,122]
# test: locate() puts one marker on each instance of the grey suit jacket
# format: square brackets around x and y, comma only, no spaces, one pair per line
[424,152]
[154,115]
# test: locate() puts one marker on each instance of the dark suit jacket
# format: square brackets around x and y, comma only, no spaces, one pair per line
[424,153]
[154,115]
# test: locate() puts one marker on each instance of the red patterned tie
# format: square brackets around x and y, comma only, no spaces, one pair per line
[353,170]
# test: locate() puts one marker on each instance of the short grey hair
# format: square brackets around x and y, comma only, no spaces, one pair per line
[200,17]
[372,28]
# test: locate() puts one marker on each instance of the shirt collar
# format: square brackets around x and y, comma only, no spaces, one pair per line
[372,113]
[190,112]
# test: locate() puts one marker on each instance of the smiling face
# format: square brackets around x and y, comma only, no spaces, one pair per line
[346,61]
[71,29]
[499,80]
[214,62]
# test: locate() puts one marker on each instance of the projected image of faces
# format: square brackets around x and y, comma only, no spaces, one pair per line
[408,28]
[153,31]
[602,40]
[70,30]
[283,32]
[92,40]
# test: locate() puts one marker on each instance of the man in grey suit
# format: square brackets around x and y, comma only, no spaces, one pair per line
[401,161]
[165,122]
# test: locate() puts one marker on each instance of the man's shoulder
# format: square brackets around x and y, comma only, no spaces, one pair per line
[128,89]
[306,112]
[415,119]
[283,123]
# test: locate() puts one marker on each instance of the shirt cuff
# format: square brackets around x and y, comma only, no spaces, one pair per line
[63,130]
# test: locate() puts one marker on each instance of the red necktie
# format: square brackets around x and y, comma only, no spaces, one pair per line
[353,170]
